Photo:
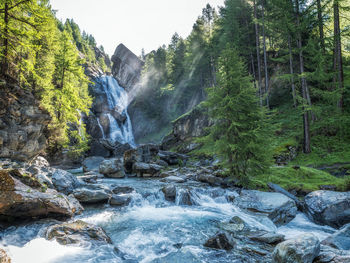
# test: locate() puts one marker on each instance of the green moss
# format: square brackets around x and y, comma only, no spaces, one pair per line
[304,179]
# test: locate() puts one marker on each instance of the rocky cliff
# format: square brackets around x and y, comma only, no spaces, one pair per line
[185,129]
[126,67]
[22,123]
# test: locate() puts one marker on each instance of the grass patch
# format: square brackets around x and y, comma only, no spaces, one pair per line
[305,179]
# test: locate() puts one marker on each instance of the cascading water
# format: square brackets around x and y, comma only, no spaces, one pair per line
[150,229]
[120,130]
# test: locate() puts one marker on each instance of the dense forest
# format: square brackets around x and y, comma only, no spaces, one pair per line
[47,57]
[293,55]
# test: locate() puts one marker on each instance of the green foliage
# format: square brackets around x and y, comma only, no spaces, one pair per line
[239,135]
[302,180]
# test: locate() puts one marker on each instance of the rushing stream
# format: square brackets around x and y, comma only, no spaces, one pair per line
[149,229]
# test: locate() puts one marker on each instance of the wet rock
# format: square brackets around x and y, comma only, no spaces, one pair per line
[267,237]
[78,232]
[92,163]
[146,170]
[169,192]
[123,190]
[4,258]
[219,241]
[332,255]
[302,249]
[328,207]
[90,177]
[18,200]
[120,200]
[340,239]
[184,197]
[64,181]
[146,153]
[248,225]
[210,179]
[112,168]
[162,163]
[278,207]
[91,196]
[173,179]
[172,158]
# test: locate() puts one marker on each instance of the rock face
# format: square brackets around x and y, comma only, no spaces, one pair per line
[302,249]
[4,258]
[328,207]
[126,67]
[278,207]
[23,123]
[21,196]
[187,127]
[77,232]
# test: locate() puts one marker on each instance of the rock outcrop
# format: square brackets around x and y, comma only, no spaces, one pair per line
[24,197]
[126,67]
[112,168]
[185,129]
[329,207]
[302,249]
[78,232]
[23,123]
[278,207]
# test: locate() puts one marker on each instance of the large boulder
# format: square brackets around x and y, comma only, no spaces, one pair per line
[302,249]
[172,158]
[91,196]
[340,239]
[146,169]
[120,200]
[329,207]
[92,163]
[209,179]
[112,168]
[278,207]
[332,255]
[22,196]
[64,181]
[219,241]
[145,153]
[78,232]
[4,258]
[23,123]
[169,192]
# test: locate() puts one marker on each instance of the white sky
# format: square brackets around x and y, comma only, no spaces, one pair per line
[137,24]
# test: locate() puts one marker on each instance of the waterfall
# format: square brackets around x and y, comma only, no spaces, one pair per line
[120,129]
[101,128]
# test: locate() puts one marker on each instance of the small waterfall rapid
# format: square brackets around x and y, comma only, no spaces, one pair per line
[120,127]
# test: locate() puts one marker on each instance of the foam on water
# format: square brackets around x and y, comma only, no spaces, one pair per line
[40,250]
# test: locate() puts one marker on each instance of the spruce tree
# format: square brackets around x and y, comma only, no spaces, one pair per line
[239,135]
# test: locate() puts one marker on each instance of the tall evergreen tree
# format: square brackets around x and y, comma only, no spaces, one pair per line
[239,135]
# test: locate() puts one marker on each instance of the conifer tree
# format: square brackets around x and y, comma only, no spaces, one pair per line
[239,135]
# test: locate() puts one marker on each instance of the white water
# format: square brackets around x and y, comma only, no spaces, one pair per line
[101,128]
[117,98]
[147,230]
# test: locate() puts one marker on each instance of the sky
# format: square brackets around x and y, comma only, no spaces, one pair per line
[137,24]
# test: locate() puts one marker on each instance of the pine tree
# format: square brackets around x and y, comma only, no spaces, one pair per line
[239,135]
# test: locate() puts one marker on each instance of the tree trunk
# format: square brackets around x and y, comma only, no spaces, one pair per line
[265,59]
[338,60]
[304,87]
[5,62]
[257,41]
[292,72]
[320,25]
